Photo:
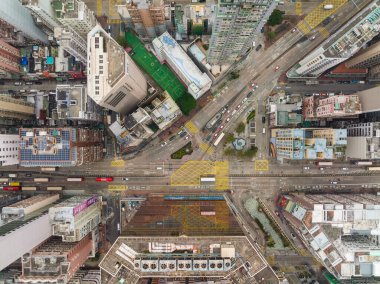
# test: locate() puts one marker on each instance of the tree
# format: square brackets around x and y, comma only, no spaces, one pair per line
[275,18]
[229,152]
[234,75]
[240,128]
[250,153]
[230,138]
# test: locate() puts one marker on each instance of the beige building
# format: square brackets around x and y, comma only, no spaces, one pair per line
[114,80]
[366,58]
[147,17]
[15,108]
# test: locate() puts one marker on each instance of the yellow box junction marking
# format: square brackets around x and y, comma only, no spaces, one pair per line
[298,9]
[113,15]
[325,33]
[118,163]
[99,8]
[191,127]
[117,187]
[207,148]
[319,14]
[261,165]
[190,173]
[303,27]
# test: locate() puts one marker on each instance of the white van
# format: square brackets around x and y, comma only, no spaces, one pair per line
[263,130]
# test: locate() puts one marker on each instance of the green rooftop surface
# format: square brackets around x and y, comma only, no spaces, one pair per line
[159,72]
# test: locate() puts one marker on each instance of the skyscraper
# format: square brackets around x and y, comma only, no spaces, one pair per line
[235,26]
[114,80]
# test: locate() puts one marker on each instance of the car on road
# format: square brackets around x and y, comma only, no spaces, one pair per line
[306,168]
[263,119]
[293,235]
[228,119]
[83,82]
[124,178]
[313,37]
[249,94]
[187,137]
[322,169]
[17,83]
[163,144]
[238,106]
[258,47]
[276,68]
[333,182]
[11,92]
[106,179]
[22,91]
[293,30]
[38,82]
[28,174]
[344,169]
[29,83]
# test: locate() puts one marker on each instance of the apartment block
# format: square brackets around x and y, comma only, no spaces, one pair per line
[320,106]
[169,51]
[72,43]
[9,149]
[75,218]
[16,108]
[309,143]
[74,14]
[43,15]
[59,147]
[342,45]
[114,80]
[363,140]
[148,17]
[235,26]
[54,261]
[9,60]
[341,231]
[366,58]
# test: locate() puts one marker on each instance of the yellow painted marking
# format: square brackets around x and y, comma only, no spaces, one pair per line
[113,15]
[303,28]
[117,187]
[189,174]
[207,148]
[324,32]
[261,165]
[99,8]
[191,127]
[118,163]
[319,14]
[298,9]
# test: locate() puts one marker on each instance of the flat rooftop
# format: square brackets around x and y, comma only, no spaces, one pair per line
[161,216]
[199,257]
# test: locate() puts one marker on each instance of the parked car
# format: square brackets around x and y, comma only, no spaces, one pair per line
[17,83]
[263,119]
[28,83]
[38,82]
[258,47]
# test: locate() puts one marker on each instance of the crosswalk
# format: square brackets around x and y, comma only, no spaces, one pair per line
[191,127]
[206,148]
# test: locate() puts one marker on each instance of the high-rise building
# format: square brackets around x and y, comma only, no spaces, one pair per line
[366,58]
[320,106]
[9,149]
[22,22]
[169,51]
[363,140]
[73,103]
[43,14]
[74,14]
[16,108]
[148,17]
[76,217]
[113,80]
[340,46]
[341,231]
[54,261]
[23,232]
[235,26]
[59,147]
[9,60]
[309,143]
[72,43]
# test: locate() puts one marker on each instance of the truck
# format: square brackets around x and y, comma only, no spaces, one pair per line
[363,163]
[328,7]
[324,163]
[41,179]
[74,179]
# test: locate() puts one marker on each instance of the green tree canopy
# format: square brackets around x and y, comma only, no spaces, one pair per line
[275,18]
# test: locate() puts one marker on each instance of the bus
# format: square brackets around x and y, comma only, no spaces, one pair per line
[14,183]
[41,179]
[217,141]
[54,188]
[324,163]
[51,169]
[374,169]
[363,163]
[12,175]
[11,188]
[4,179]
[75,179]
[29,188]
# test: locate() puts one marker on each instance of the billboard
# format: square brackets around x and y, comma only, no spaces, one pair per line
[85,204]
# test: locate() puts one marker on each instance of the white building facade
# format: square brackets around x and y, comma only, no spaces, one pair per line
[9,149]
[113,80]
[72,42]
[168,50]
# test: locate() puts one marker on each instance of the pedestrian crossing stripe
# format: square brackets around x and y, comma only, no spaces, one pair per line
[206,148]
[118,163]
[191,127]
